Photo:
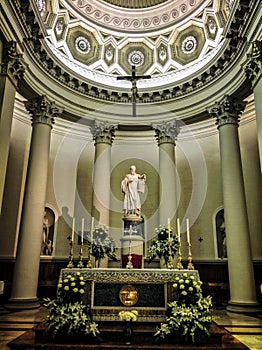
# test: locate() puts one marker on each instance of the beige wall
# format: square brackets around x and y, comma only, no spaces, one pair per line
[70,182]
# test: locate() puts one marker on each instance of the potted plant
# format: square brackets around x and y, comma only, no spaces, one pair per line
[164,245]
[102,245]
[67,315]
[190,316]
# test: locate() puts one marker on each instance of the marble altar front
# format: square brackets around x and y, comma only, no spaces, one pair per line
[111,290]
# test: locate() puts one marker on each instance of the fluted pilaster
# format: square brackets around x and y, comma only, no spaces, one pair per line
[166,135]
[12,70]
[241,275]
[25,279]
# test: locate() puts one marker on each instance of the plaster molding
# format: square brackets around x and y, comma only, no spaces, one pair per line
[103,132]
[42,110]
[227,111]
[13,64]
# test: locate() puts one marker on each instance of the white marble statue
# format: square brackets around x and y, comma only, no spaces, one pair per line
[132,184]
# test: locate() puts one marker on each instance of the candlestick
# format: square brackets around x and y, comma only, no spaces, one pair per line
[190,265]
[71,243]
[129,264]
[89,245]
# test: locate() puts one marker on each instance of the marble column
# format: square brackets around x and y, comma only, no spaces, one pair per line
[25,278]
[166,135]
[103,134]
[240,265]
[12,70]
[253,69]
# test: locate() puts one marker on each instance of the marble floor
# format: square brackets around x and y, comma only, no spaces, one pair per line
[247,329]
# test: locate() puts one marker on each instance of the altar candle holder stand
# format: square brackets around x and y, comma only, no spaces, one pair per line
[170,264]
[71,254]
[190,266]
[80,264]
[179,257]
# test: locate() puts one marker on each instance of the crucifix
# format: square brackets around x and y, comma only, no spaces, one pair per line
[134,78]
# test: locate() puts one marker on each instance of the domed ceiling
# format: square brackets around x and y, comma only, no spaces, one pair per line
[101,39]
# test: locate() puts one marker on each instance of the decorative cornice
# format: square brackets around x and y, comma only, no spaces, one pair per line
[103,132]
[227,111]
[42,110]
[166,132]
[253,66]
[13,64]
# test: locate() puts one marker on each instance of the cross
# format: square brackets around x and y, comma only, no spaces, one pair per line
[134,78]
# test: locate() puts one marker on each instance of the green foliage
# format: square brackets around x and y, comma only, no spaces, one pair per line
[102,245]
[70,319]
[161,246]
[67,314]
[190,315]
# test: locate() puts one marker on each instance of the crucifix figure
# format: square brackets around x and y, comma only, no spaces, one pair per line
[134,78]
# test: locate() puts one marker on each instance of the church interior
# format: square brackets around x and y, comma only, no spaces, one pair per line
[119,118]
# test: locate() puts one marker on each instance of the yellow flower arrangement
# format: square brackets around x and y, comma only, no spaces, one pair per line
[128,316]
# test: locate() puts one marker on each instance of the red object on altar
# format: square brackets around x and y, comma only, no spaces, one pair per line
[136,260]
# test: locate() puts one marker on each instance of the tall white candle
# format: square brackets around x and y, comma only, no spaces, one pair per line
[187,231]
[73,230]
[178,229]
[168,227]
[91,230]
[82,231]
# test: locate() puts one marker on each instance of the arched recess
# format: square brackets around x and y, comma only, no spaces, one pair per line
[49,231]
[219,234]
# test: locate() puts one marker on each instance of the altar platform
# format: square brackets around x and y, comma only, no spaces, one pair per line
[111,290]
[112,338]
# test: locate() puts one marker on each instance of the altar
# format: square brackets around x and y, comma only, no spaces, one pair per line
[110,290]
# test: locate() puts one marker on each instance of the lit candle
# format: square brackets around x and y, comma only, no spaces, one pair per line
[187,231]
[73,230]
[82,232]
[178,229]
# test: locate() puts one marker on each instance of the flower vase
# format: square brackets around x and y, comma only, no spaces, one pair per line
[127,333]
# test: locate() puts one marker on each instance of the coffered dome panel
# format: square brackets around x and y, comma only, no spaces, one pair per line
[188,44]
[136,54]
[83,45]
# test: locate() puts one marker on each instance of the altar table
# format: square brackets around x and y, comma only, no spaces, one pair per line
[110,290]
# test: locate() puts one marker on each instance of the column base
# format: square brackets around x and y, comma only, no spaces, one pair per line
[22,304]
[244,308]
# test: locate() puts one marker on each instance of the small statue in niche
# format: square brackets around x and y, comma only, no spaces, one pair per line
[47,245]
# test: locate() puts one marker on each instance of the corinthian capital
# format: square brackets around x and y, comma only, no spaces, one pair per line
[227,111]
[13,63]
[42,110]
[253,65]
[166,132]
[103,132]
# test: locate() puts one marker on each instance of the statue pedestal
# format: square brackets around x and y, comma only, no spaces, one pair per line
[132,242]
